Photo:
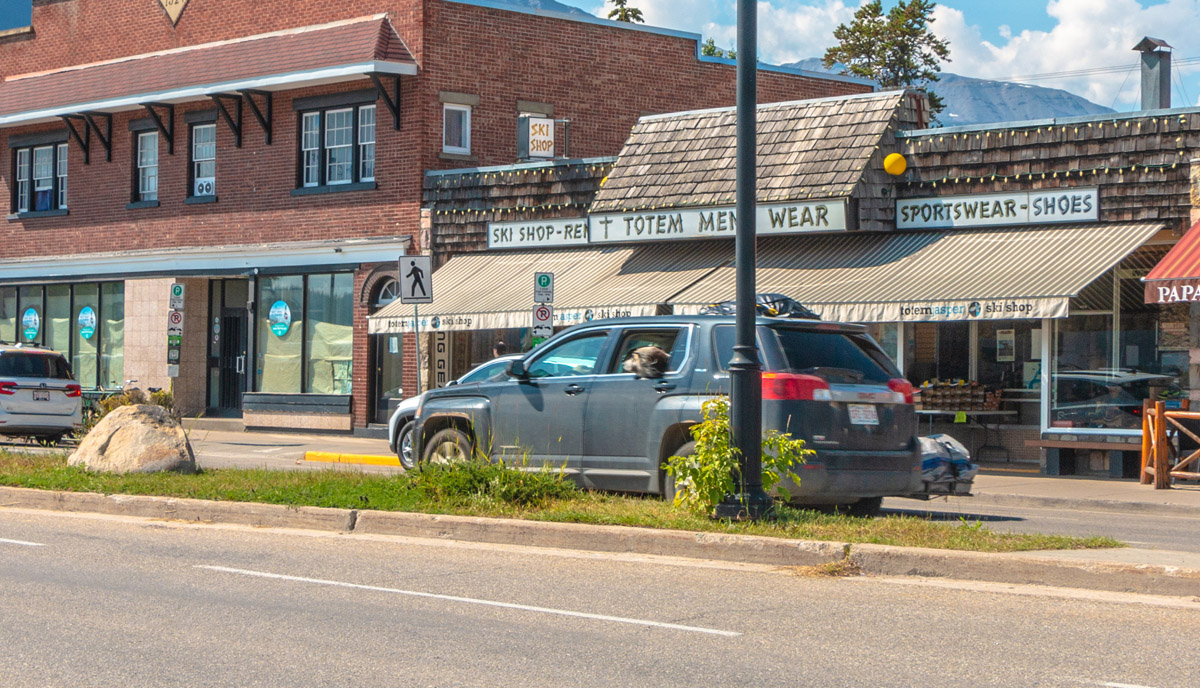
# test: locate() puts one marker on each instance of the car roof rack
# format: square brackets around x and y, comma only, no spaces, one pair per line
[770,305]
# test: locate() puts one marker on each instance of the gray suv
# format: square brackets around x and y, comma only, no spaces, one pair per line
[569,403]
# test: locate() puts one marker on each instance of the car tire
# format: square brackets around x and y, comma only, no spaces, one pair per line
[668,480]
[404,446]
[448,446]
[867,507]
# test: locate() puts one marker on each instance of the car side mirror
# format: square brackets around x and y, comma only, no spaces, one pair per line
[516,369]
[452,383]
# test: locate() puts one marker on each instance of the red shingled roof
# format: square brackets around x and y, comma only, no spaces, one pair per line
[299,50]
[1182,261]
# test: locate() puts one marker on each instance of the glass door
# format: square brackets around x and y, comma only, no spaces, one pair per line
[228,340]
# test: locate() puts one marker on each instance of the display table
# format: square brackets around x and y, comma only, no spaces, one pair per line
[980,419]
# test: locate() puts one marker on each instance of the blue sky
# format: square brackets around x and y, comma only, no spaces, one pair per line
[992,39]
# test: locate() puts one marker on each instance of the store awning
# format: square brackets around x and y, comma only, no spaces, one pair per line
[289,59]
[923,276]
[494,290]
[1176,278]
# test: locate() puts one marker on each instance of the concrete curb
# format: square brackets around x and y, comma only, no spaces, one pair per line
[1018,568]
[1113,505]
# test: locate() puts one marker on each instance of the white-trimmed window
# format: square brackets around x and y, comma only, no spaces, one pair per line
[310,148]
[456,128]
[337,146]
[60,173]
[41,178]
[366,143]
[147,166]
[204,160]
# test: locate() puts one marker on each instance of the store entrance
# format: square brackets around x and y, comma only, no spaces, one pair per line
[228,338]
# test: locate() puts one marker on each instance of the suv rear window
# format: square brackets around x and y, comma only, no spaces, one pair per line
[835,356]
[22,364]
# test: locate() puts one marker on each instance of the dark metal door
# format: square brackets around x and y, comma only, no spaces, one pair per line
[232,360]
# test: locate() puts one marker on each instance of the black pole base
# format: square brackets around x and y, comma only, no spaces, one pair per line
[752,505]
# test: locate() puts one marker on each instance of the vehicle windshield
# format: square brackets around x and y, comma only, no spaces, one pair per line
[30,364]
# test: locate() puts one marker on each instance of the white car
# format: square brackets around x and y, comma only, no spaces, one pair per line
[38,396]
[400,425]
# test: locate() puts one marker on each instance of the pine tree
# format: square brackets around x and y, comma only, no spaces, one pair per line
[622,13]
[896,50]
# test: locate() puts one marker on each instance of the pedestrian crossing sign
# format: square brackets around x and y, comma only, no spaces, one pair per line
[416,279]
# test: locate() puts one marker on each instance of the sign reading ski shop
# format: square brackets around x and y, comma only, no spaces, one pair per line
[987,210]
[705,223]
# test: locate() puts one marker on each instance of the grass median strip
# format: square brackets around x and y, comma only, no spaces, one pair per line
[481,489]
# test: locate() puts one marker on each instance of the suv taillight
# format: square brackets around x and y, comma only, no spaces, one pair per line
[8,388]
[901,386]
[73,390]
[795,387]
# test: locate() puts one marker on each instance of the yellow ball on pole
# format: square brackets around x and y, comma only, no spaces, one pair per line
[895,164]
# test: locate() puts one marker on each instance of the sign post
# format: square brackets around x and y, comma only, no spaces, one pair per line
[543,287]
[177,292]
[543,320]
[174,338]
[416,287]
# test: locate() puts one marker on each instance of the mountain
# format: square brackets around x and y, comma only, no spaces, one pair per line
[979,101]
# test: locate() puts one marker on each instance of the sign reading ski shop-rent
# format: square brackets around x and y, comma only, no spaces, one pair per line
[989,210]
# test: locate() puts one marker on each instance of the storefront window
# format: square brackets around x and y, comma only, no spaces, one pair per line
[85,334]
[112,339]
[1010,353]
[58,317]
[329,333]
[280,334]
[30,314]
[8,314]
[885,334]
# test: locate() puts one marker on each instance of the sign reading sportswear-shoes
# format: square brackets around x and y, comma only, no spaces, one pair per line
[984,210]
[667,224]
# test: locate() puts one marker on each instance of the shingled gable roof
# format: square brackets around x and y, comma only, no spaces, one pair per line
[282,59]
[806,149]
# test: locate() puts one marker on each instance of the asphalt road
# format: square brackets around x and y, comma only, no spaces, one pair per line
[98,601]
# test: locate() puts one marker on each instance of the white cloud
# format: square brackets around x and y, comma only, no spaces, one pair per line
[1087,34]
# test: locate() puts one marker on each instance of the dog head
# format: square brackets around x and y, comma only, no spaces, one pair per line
[646,361]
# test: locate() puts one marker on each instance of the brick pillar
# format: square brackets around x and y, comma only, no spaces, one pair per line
[361,403]
[191,387]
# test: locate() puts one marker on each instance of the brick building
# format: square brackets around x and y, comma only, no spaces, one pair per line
[269,156]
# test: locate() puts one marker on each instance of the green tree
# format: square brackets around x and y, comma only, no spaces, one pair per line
[896,50]
[709,49]
[625,14]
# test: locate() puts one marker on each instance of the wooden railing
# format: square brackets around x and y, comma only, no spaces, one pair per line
[1161,459]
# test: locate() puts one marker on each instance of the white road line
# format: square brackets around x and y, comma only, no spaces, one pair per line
[1123,685]
[469,600]
[21,542]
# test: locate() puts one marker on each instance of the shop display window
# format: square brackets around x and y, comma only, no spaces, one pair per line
[85,334]
[305,334]
[8,314]
[112,339]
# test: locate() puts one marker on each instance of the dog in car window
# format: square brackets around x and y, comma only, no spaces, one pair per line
[646,361]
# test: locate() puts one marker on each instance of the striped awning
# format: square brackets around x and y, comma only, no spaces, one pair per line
[1025,272]
[494,290]
[1176,278]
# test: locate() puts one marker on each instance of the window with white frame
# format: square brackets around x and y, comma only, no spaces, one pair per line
[456,128]
[337,146]
[366,143]
[41,178]
[147,166]
[204,160]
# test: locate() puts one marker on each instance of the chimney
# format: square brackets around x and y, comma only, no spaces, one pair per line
[1156,73]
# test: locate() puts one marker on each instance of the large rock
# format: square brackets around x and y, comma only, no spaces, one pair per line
[142,438]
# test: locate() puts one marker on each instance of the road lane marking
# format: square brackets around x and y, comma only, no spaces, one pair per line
[471,600]
[21,542]
[1033,590]
[1123,685]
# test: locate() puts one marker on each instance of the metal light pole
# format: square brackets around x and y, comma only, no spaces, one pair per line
[745,371]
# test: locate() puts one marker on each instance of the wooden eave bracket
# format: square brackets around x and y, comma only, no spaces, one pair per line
[392,99]
[265,114]
[84,141]
[90,126]
[233,120]
[167,129]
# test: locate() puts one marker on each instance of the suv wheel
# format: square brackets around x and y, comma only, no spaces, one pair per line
[668,480]
[448,446]
[404,446]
